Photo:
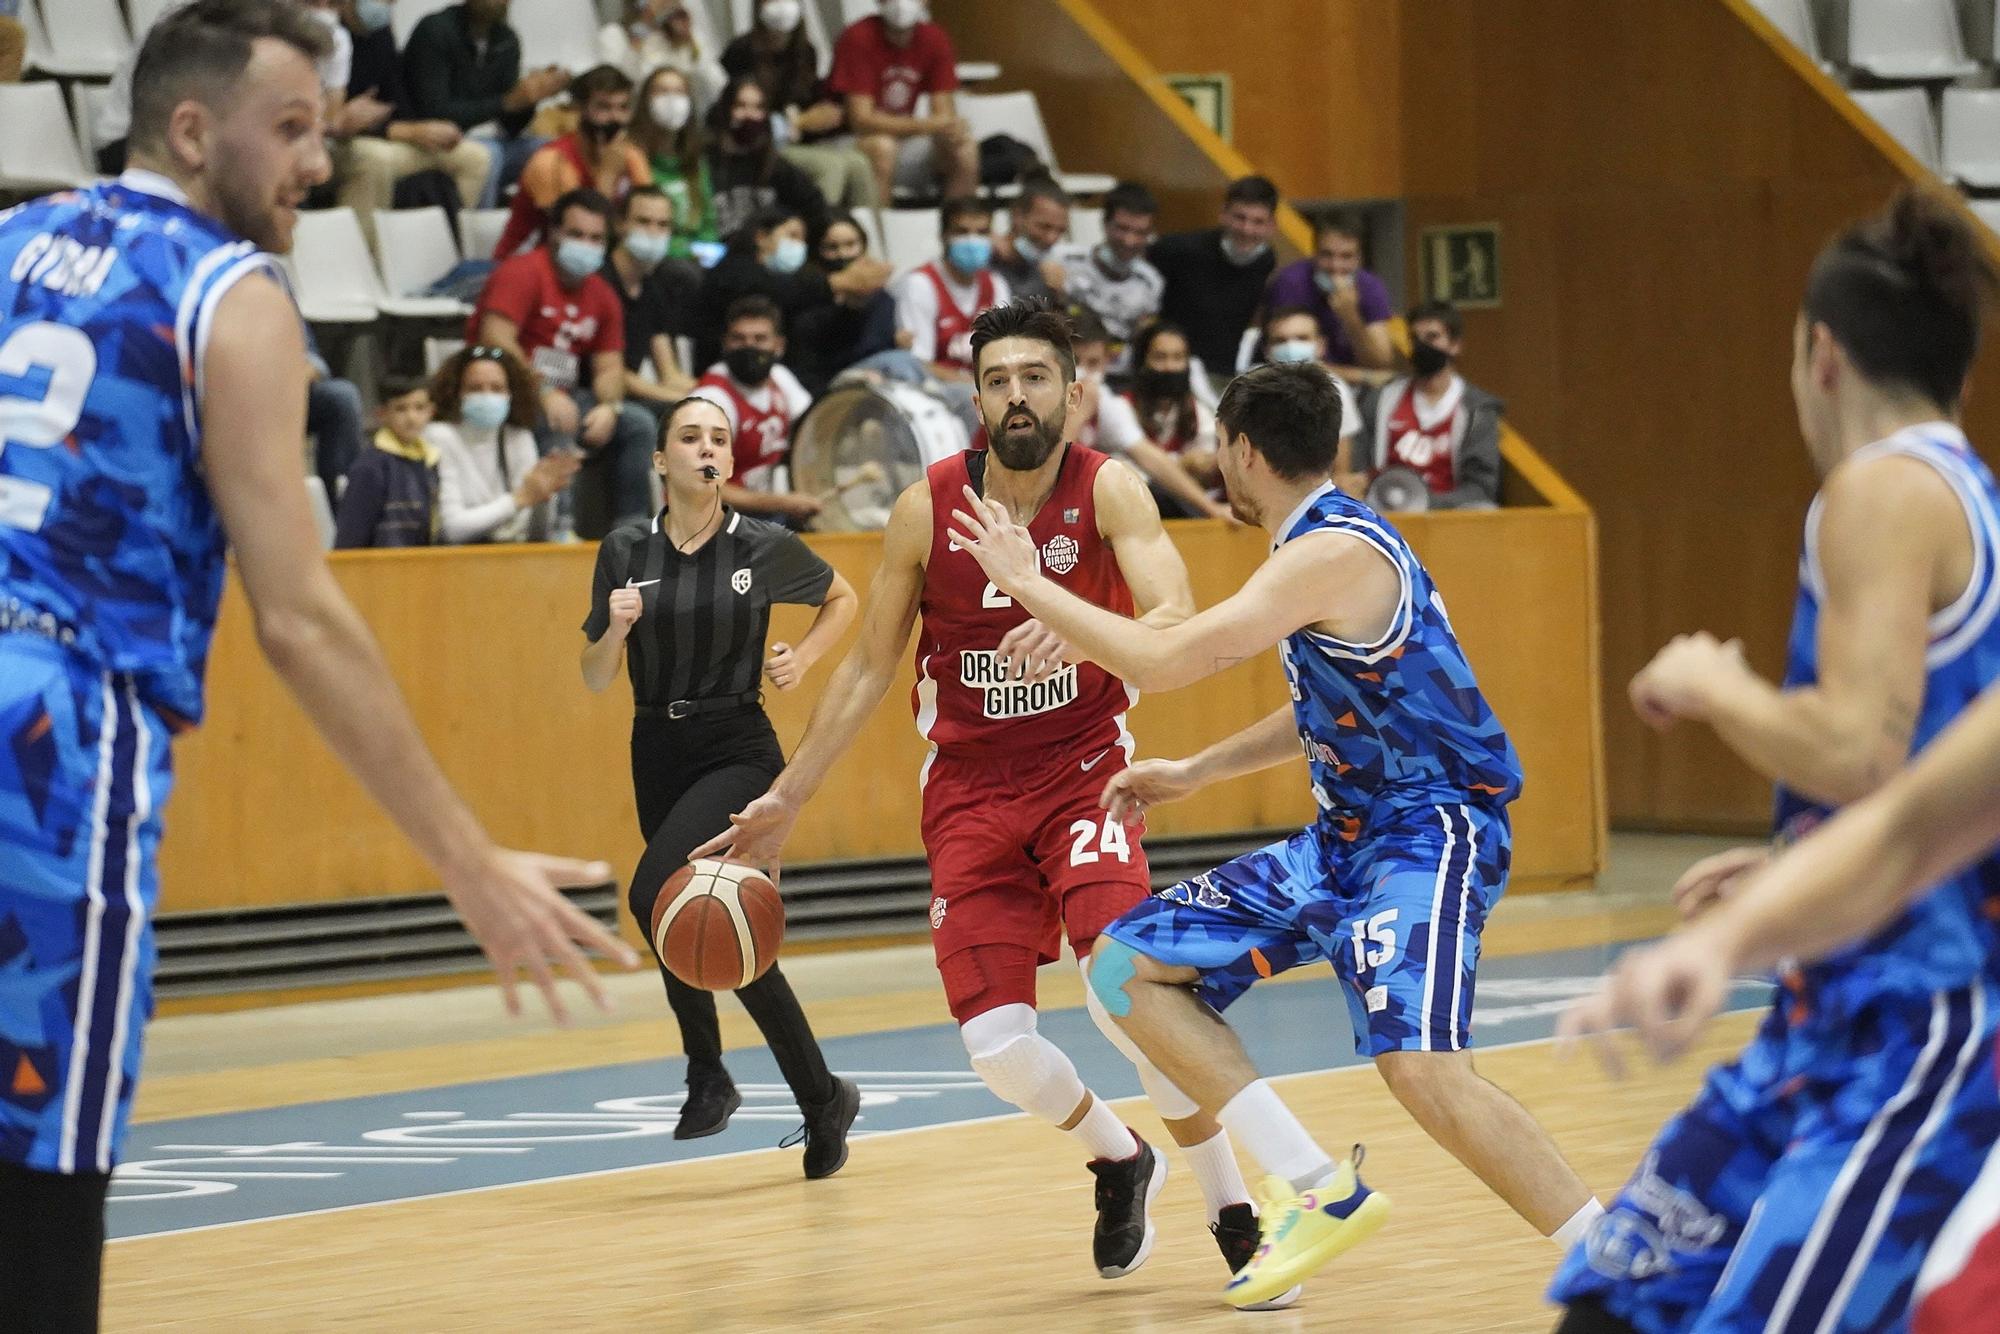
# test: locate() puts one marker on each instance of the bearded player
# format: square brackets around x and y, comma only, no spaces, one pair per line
[1020,852]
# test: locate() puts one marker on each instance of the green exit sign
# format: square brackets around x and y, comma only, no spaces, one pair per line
[1462,264]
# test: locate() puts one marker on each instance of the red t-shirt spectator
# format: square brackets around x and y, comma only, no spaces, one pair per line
[561,328]
[865,62]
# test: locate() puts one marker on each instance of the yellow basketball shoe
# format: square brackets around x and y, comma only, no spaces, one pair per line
[1303,1233]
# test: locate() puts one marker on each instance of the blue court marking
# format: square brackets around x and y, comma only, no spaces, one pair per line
[243,1167]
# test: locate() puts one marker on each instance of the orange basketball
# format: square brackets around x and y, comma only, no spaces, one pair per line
[718,925]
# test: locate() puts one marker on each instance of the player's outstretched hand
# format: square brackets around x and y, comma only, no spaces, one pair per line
[756,834]
[1032,652]
[1002,547]
[1712,879]
[1147,783]
[511,903]
[1666,992]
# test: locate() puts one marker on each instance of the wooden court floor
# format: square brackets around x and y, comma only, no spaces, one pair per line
[977,1226]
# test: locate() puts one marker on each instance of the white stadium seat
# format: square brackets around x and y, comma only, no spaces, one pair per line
[1086,225]
[1907,39]
[39,149]
[479,231]
[1794,19]
[415,248]
[86,38]
[86,103]
[1972,136]
[1906,114]
[144,13]
[556,32]
[333,239]
[1019,115]
[910,236]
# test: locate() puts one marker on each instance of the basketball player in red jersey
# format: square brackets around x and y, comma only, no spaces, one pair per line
[1020,851]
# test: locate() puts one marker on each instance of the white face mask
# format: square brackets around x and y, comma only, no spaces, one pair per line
[671,110]
[781,15]
[902,13]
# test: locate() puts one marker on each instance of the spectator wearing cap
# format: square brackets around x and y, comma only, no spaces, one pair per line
[1350,304]
[1215,278]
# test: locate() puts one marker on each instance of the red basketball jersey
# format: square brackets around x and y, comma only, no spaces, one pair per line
[763,435]
[954,326]
[961,701]
[1427,452]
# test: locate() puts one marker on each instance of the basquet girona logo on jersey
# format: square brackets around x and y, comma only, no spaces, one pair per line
[1060,553]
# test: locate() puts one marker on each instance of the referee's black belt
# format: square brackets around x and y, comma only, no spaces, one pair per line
[689,708]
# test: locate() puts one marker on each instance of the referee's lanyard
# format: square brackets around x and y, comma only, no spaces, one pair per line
[650,578]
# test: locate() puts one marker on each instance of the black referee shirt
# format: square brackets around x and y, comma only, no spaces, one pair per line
[701,634]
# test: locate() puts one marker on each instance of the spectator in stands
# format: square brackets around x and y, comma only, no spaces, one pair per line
[668,132]
[492,484]
[1215,277]
[778,55]
[1091,346]
[659,33]
[745,173]
[463,64]
[1433,422]
[937,302]
[1158,425]
[1291,334]
[766,257]
[596,155]
[1113,279]
[392,490]
[882,65]
[763,402]
[368,164]
[1025,256]
[658,294]
[857,321]
[336,421]
[1350,303]
[550,308]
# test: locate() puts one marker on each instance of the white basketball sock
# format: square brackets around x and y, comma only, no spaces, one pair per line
[1266,1127]
[1104,1134]
[1571,1232]
[1214,1164]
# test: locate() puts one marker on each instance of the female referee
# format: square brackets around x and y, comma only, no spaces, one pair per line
[698,583]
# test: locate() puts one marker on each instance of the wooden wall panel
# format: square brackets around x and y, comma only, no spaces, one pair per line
[1317,84]
[1663,176]
[485,644]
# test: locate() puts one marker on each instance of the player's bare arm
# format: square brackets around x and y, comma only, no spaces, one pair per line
[1893,543]
[1333,582]
[1270,740]
[1837,885]
[254,398]
[758,832]
[1150,563]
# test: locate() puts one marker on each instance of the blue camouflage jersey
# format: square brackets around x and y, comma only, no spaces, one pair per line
[111,543]
[1401,722]
[1945,938]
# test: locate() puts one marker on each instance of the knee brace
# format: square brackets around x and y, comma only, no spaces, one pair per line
[1020,1065]
[1168,1100]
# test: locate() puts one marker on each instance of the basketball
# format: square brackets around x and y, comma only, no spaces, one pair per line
[718,925]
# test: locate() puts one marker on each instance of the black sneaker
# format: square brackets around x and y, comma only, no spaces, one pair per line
[1126,1189]
[1236,1233]
[825,1130]
[707,1110]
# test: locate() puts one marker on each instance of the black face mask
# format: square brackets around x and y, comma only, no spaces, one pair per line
[603,131]
[750,135]
[835,265]
[1427,360]
[750,365]
[1161,384]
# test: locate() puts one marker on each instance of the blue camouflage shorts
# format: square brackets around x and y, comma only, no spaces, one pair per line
[1397,908]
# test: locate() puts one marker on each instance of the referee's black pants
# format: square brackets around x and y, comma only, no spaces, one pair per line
[690,775]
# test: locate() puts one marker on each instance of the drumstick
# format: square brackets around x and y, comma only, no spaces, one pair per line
[867,473]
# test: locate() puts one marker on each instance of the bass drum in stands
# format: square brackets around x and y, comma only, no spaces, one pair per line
[861,444]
